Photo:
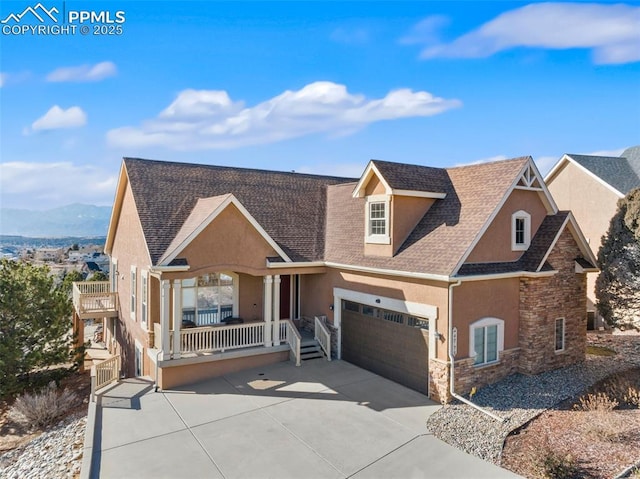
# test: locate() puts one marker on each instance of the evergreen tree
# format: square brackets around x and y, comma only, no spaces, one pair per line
[618,285]
[35,323]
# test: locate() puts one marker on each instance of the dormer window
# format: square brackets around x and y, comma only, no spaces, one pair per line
[377,227]
[520,231]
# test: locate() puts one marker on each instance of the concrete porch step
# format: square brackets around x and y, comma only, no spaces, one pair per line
[310,350]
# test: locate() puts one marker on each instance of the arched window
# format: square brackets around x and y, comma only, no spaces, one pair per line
[520,230]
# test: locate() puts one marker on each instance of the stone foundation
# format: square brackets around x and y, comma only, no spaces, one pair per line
[468,376]
[439,381]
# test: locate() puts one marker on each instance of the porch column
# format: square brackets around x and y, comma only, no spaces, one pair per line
[177,317]
[164,318]
[268,310]
[276,310]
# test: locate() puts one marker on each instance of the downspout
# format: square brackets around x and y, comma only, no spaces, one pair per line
[451,360]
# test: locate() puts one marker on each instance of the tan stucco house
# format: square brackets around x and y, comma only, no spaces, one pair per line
[402,271]
[590,186]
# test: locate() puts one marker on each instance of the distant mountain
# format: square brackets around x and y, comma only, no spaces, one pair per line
[70,220]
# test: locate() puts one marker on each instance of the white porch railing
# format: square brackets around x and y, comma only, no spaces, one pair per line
[323,336]
[94,297]
[221,338]
[293,338]
[104,373]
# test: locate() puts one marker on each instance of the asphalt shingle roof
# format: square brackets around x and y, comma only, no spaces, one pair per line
[401,176]
[289,206]
[442,236]
[623,173]
[531,260]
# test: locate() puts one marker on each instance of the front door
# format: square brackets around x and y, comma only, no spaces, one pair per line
[285,297]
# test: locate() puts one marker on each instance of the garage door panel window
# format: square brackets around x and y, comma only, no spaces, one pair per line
[486,340]
[391,316]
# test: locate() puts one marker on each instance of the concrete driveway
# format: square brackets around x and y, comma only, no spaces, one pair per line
[323,419]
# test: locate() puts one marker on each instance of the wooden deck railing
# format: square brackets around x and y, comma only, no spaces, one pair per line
[94,297]
[323,336]
[104,373]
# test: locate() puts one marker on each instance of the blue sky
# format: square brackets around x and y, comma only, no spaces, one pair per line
[317,87]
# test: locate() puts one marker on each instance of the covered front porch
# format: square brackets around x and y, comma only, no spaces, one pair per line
[221,316]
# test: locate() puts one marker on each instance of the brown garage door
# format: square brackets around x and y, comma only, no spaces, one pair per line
[391,344]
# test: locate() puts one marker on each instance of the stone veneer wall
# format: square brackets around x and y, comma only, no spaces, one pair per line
[439,380]
[542,301]
[468,375]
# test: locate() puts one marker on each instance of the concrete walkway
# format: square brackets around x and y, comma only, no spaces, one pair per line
[323,419]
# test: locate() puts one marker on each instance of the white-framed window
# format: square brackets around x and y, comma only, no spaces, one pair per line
[144,294]
[209,298]
[377,219]
[559,335]
[520,230]
[134,288]
[486,340]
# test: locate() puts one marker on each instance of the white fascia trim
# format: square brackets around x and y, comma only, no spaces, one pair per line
[495,212]
[583,244]
[566,158]
[231,199]
[517,274]
[408,307]
[555,168]
[487,223]
[553,243]
[551,205]
[389,272]
[581,269]
[577,235]
[528,188]
[419,194]
[369,171]
[296,264]
[169,269]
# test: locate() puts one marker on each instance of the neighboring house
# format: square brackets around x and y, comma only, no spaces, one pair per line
[49,254]
[590,186]
[89,268]
[398,272]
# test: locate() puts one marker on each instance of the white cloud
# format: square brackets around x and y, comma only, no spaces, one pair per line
[426,31]
[36,185]
[57,118]
[611,31]
[616,152]
[209,119]
[3,79]
[83,73]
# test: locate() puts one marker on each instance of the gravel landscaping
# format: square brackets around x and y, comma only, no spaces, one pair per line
[56,453]
[519,398]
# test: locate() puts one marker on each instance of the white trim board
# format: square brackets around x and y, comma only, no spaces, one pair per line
[567,159]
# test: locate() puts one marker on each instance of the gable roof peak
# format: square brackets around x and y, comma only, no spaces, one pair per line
[620,174]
